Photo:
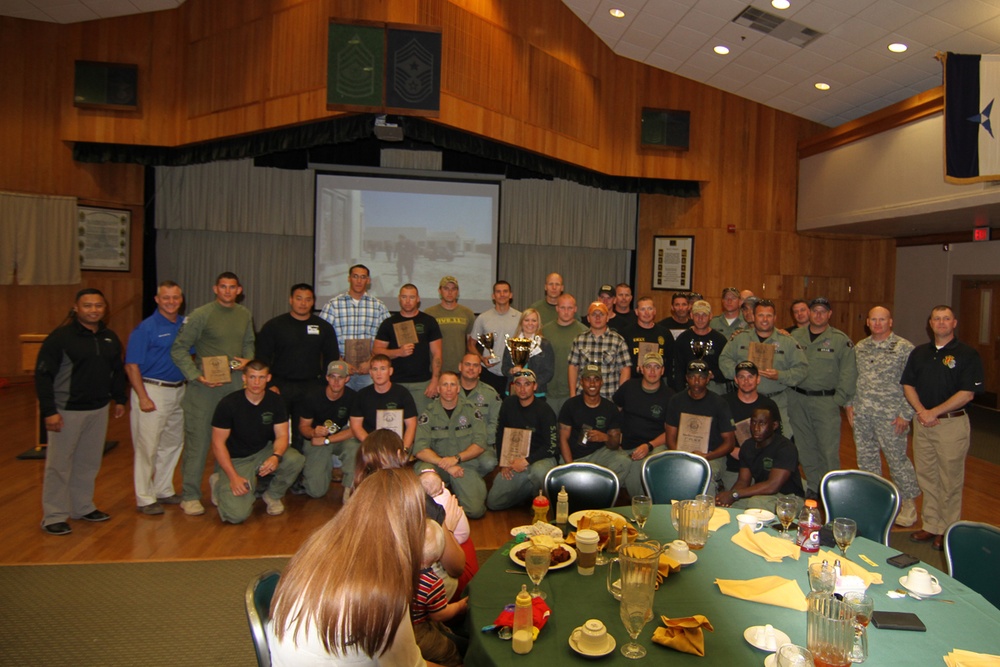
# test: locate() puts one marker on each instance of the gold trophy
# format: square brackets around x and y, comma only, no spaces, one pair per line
[520,350]
[701,348]
[486,341]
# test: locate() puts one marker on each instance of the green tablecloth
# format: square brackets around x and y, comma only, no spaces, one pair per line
[972,623]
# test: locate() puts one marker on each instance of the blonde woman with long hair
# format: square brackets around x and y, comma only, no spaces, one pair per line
[344,597]
[541,359]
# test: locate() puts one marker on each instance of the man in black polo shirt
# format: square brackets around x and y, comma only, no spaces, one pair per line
[769,465]
[384,404]
[415,366]
[699,409]
[643,401]
[939,379]
[250,440]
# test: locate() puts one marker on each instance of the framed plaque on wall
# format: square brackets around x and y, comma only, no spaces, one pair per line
[673,262]
[103,236]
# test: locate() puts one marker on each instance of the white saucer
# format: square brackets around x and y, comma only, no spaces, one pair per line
[780,638]
[762,515]
[771,660]
[587,654]
[692,558]
[934,591]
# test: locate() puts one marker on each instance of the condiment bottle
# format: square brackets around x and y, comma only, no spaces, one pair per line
[524,638]
[541,506]
[562,507]
[809,526]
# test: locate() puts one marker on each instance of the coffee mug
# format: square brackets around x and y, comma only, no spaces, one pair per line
[591,637]
[679,551]
[921,581]
[750,520]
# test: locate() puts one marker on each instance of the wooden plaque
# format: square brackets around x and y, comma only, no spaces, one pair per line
[516,445]
[762,355]
[693,433]
[216,369]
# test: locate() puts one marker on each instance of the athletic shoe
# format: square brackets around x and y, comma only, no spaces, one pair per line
[192,507]
[907,513]
[151,509]
[95,516]
[59,528]
[174,499]
[274,505]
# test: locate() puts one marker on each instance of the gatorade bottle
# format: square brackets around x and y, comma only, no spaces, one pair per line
[809,525]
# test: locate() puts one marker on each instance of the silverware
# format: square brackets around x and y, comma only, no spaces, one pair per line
[922,598]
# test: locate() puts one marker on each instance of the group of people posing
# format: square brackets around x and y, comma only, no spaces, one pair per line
[281,407]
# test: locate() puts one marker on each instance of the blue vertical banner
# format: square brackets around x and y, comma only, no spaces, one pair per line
[971,89]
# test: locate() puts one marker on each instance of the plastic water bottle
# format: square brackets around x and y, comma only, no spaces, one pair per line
[524,636]
[809,526]
[562,507]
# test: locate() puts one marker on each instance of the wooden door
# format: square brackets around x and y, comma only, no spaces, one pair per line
[979,326]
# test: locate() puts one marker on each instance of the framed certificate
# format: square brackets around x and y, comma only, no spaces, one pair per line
[673,262]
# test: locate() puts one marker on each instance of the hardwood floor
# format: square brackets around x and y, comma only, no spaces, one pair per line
[130,536]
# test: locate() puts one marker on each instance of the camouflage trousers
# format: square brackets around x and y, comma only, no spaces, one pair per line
[874,432]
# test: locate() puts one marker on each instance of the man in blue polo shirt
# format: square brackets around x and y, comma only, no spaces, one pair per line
[157,418]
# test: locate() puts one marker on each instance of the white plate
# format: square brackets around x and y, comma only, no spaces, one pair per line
[537,529]
[771,660]
[937,588]
[575,516]
[780,638]
[610,647]
[517,548]
[692,558]
[762,515]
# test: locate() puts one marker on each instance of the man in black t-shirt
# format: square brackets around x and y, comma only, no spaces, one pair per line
[250,440]
[769,465]
[701,342]
[519,482]
[643,402]
[700,409]
[415,366]
[325,427]
[384,405]
[742,403]
[590,427]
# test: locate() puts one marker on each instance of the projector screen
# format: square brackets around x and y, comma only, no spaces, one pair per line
[406,231]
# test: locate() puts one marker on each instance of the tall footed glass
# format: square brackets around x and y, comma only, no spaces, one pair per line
[639,563]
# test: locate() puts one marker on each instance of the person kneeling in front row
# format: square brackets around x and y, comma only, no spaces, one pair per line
[250,439]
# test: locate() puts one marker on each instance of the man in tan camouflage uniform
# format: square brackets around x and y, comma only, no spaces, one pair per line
[880,415]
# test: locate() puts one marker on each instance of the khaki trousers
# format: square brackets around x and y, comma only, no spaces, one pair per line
[939,457]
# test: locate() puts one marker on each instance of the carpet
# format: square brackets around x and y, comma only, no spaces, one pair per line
[111,614]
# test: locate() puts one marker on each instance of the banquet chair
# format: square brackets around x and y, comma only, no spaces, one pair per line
[675,475]
[870,500]
[259,592]
[589,486]
[972,553]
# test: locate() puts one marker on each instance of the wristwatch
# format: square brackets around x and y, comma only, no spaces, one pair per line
[735,494]
[326,441]
[279,457]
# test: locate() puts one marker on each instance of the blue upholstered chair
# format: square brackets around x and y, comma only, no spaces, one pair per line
[972,552]
[872,501]
[589,486]
[259,592]
[674,475]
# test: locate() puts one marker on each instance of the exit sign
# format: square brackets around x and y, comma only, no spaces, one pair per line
[981,234]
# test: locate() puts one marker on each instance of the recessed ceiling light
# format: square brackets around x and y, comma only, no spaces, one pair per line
[897,47]
[617,13]
[721,50]
[822,86]
[780,4]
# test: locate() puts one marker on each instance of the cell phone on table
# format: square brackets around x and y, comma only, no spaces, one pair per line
[897,620]
[902,560]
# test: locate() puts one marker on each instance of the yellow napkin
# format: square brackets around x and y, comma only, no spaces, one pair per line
[667,565]
[769,547]
[774,590]
[719,519]
[684,634]
[847,567]
[960,658]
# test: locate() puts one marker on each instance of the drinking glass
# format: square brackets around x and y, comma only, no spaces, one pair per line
[790,655]
[844,531]
[641,506]
[863,605]
[536,562]
[636,610]
[822,578]
[602,526]
[785,509]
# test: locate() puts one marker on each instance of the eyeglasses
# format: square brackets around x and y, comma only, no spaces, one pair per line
[525,374]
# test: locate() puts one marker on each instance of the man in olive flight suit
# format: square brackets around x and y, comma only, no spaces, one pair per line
[814,407]
[451,438]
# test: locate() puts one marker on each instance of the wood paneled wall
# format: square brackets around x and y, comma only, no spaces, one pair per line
[522,72]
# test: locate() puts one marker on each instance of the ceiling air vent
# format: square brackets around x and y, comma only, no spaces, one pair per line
[775,26]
